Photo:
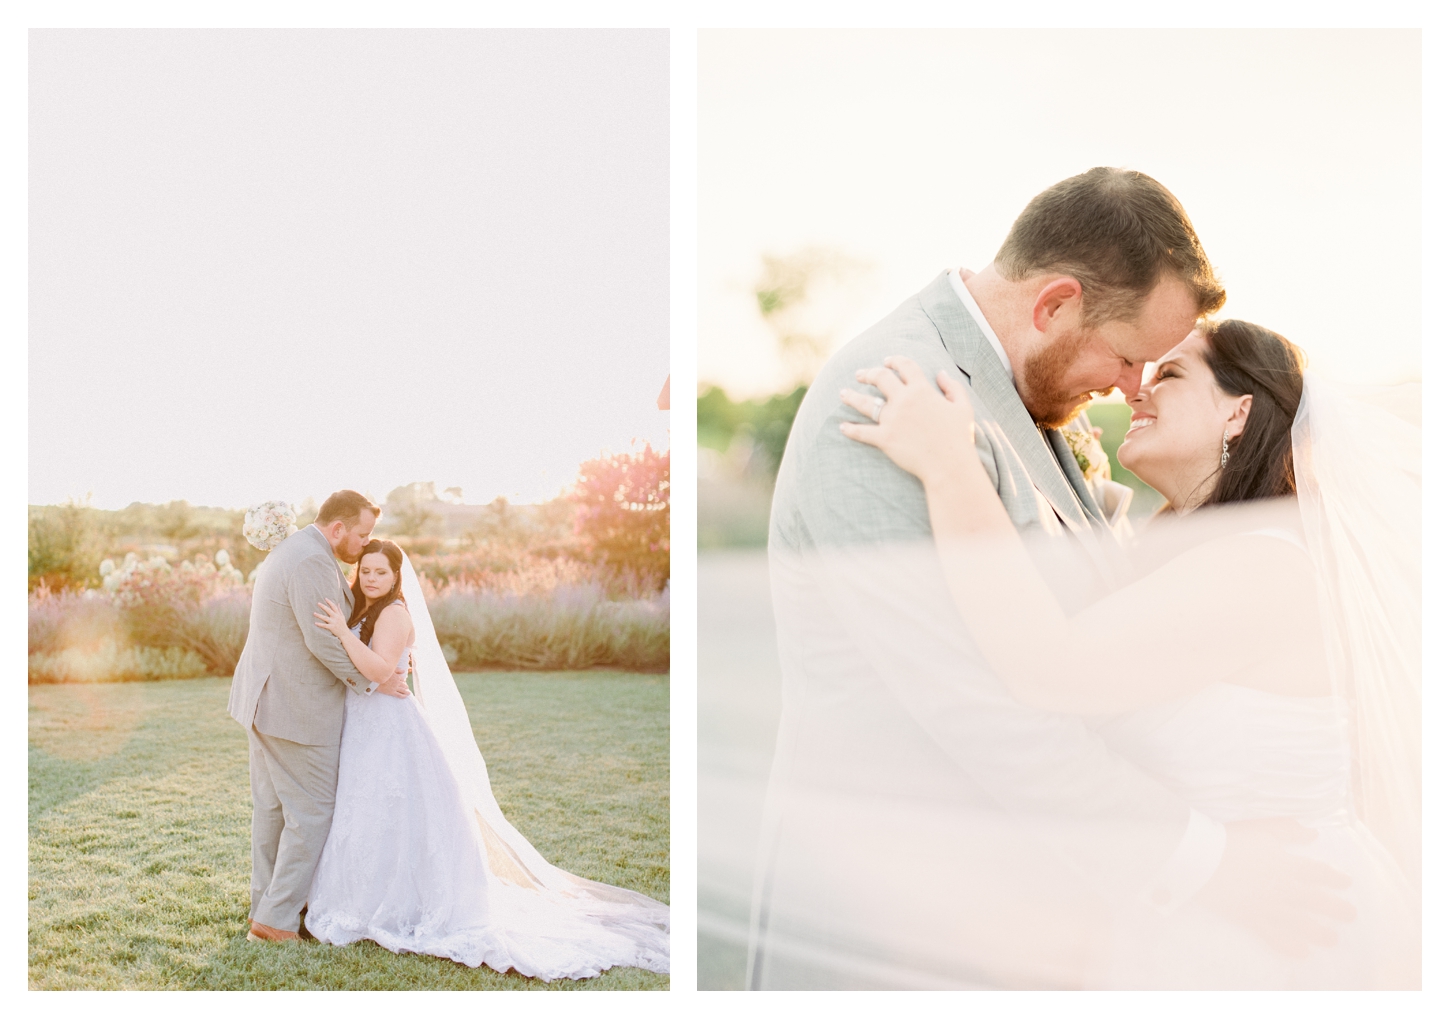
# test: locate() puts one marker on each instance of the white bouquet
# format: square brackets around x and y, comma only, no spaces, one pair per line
[268,523]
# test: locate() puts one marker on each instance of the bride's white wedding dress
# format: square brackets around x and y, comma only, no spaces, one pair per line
[1345,765]
[411,865]
[883,863]
[1240,754]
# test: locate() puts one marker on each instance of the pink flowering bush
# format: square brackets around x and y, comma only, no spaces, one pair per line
[200,606]
[622,514]
[493,609]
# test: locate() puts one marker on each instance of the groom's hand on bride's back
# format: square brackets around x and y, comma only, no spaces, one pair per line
[1285,897]
[396,685]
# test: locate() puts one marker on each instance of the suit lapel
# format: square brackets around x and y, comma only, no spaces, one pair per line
[346,589]
[341,577]
[1070,468]
[974,355]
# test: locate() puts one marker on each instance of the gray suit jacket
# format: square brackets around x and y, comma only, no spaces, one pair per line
[834,491]
[293,675]
[847,638]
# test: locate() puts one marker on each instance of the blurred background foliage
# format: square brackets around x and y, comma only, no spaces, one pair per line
[67,543]
[801,298]
[1113,417]
[578,582]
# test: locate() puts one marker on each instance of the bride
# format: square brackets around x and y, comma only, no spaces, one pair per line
[420,858]
[1270,655]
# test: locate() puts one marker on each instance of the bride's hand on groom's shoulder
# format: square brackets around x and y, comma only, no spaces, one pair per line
[924,426]
[330,618]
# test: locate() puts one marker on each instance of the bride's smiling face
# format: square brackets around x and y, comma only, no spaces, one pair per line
[375,575]
[1179,418]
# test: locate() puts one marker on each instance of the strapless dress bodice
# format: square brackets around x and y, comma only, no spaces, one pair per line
[407,651]
[1238,753]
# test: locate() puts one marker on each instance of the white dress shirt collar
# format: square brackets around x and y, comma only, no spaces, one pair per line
[981,320]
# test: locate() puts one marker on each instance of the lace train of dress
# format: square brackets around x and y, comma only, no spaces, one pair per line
[405,865]
[1237,754]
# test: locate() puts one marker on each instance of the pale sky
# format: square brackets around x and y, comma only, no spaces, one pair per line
[271,264]
[1295,152]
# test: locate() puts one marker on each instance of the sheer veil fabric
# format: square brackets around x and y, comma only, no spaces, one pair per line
[527,893]
[1357,465]
[926,826]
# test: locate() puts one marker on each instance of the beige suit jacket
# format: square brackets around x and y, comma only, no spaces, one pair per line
[293,675]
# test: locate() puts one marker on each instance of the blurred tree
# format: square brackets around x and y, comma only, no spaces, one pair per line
[543,529]
[65,547]
[500,524]
[307,512]
[176,522]
[764,423]
[802,296]
[408,510]
[622,512]
[718,418]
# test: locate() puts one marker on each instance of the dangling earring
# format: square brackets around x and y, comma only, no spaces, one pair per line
[1223,460]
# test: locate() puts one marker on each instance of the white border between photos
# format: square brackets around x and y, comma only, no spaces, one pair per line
[684,829]
[683,19]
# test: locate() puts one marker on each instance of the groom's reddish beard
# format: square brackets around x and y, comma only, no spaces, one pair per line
[1050,405]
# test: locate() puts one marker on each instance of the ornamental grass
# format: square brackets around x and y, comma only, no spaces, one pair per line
[571,627]
[179,624]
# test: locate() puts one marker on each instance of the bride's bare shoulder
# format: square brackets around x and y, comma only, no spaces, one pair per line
[399,619]
[396,617]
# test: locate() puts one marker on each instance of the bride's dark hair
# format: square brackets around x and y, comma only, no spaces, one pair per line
[1246,358]
[360,608]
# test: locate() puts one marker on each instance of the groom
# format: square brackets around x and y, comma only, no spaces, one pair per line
[288,692]
[1100,274]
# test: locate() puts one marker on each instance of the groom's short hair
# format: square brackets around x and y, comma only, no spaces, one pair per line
[346,506]
[1117,232]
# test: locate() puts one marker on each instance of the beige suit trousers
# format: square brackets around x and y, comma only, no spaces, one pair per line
[294,787]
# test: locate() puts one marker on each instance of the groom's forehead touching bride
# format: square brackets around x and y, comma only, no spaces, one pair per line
[1100,274]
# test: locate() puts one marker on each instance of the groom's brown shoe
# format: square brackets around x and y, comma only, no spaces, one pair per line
[261,932]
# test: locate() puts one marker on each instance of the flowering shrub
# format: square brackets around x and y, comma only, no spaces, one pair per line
[200,606]
[156,620]
[622,513]
[140,582]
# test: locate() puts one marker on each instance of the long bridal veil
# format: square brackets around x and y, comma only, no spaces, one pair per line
[580,910]
[1357,464]
[928,824]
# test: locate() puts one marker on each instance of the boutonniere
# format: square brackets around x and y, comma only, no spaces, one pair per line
[1092,460]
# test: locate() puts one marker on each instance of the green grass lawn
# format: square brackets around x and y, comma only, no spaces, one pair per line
[140,815]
